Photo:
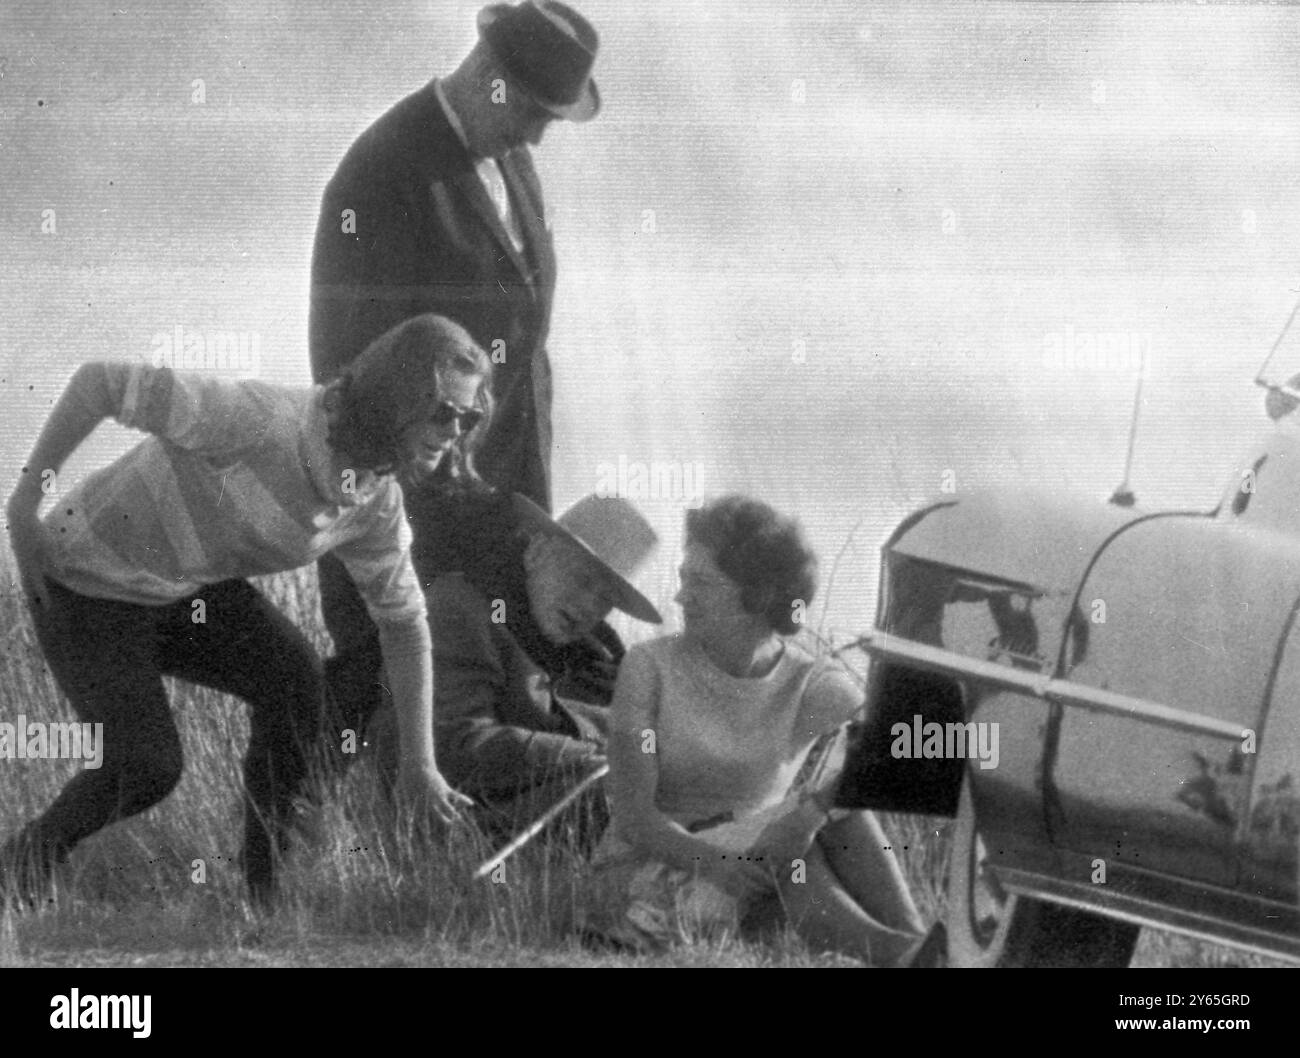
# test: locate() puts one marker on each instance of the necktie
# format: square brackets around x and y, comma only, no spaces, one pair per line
[489,174]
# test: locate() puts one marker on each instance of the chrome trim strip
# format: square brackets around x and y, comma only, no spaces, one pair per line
[1149,914]
[1064,692]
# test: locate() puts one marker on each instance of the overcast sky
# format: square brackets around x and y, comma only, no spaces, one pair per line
[873,225]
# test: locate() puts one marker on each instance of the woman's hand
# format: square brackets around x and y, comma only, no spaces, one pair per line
[790,836]
[27,541]
[427,793]
[739,876]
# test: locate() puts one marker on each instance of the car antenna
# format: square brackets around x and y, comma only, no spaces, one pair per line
[1123,496]
[1261,379]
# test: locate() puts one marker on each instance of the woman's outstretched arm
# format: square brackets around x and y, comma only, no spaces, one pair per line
[410,677]
[379,562]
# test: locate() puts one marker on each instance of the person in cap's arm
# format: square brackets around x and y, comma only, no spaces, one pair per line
[139,571]
[437,208]
[524,659]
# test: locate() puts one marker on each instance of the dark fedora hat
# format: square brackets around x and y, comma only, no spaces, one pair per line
[549,49]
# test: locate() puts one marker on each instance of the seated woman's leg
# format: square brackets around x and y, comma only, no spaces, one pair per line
[828,917]
[101,654]
[858,851]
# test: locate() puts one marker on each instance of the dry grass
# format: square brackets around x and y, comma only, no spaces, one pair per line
[357,891]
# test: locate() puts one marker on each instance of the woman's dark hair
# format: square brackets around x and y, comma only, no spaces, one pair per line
[763,551]
[394,383]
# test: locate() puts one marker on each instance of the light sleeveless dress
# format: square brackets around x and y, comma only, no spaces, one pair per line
[734,756]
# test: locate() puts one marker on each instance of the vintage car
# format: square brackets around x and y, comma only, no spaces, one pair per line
[1143,671]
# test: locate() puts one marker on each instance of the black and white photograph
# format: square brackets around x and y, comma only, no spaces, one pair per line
[720,484]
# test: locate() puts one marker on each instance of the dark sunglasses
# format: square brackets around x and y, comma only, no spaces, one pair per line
[446,413]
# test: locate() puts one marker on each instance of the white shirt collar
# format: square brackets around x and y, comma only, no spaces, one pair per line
[453,119]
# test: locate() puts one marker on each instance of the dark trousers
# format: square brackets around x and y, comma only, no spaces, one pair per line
[109,659]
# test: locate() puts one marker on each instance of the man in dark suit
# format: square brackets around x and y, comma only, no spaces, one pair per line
[437,208]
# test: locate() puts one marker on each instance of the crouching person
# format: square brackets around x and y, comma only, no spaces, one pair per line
[141,572]
[526,665]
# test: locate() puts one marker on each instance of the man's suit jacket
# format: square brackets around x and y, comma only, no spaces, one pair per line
[501,724]
[428,239]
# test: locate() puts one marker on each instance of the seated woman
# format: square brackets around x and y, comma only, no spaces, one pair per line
[140,571]
[709,730]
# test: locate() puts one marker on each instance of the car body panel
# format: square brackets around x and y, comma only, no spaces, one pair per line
[1265,494]
[1193,611]
[1265,498]
[1040,541]
[1121,725]
[954,578]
